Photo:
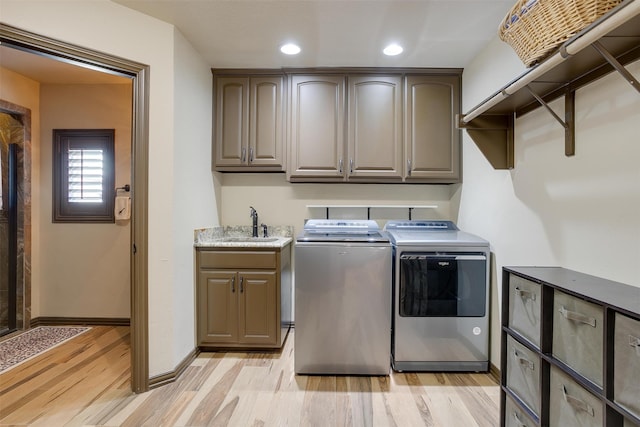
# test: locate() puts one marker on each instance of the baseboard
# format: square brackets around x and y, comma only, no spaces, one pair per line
[169,377]
[89,321]
[494,372]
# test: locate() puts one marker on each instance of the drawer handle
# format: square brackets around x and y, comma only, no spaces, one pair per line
[525,294]
[241,282]
[635,342]
[518,420]
[577,403]
[233,284]
[523,360]
[577,317]
[244,155]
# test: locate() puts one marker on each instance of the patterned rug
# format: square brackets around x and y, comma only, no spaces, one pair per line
[32,343]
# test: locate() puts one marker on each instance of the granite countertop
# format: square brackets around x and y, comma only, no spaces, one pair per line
[240,237]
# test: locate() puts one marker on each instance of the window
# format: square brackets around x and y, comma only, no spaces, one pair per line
[83,175]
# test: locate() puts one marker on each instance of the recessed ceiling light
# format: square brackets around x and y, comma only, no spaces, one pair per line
[290,49]
[392,50]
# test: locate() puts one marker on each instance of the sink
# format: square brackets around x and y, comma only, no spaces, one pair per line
[249,239]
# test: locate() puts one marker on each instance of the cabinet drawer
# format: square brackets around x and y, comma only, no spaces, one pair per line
[626,353]
[514,416]
[571,405]
[578,335]
[525,308]
[237,259]
[628,423]
[523,374]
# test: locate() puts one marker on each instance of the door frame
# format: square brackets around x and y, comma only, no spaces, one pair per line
[139,74]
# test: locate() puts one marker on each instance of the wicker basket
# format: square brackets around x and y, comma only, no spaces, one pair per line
[533,28]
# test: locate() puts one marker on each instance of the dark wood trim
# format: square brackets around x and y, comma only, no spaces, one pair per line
[93,321]
[171,376]
[139,73]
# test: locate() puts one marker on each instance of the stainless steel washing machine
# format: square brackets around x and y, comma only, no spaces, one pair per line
[440,297]
[342,298]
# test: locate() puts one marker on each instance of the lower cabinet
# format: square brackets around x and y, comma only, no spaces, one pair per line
[239,301]
[570,350]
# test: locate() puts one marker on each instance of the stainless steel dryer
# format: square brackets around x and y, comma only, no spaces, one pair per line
[440,297]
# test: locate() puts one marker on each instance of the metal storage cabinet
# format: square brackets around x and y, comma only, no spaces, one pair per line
[582,331]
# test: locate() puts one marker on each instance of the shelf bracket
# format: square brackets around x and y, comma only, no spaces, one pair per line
[615,64]
[568,123]
[494,136]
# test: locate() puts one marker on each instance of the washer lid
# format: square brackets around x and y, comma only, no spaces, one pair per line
[342,230]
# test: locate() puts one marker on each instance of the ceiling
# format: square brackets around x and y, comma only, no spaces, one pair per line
[351,33]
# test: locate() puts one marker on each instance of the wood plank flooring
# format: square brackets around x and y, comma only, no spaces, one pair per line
[85,382]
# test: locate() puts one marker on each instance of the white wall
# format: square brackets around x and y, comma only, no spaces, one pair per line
[84,268]
[116,30]
[194,200]
[279,202]
[580,212]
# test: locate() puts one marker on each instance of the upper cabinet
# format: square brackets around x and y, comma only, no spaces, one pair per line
[374,129]
[369,112]
[370,127]
[432,142]
[316,129]
[248,123]
[342,125]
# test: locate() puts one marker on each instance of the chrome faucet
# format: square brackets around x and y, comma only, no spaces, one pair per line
[254,216]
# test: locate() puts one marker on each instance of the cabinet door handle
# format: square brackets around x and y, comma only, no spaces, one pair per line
[577,403]
[409,167]
[233,284]
[635,342]
[518,420]
[250,154]
[525,294]
[241,284]
[340,166]
[351,166]
[523,360]
[577,317]
[244,154]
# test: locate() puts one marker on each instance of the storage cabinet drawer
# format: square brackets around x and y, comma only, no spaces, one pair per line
[525,308]
[514,416]
[578,335]
[237,259]
[628,423]
[571,405]
[523,374]
[626,354]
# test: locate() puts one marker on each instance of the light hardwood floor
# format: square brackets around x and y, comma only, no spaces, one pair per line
[85,382]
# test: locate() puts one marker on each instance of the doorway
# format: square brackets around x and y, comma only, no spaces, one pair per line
[138,73]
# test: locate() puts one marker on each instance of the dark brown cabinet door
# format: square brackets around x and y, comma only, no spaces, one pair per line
[218,307]
[317,127]
[375,127]
[257,316]
[248,123]
[432,141]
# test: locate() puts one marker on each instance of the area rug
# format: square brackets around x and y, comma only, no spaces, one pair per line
[32,343]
